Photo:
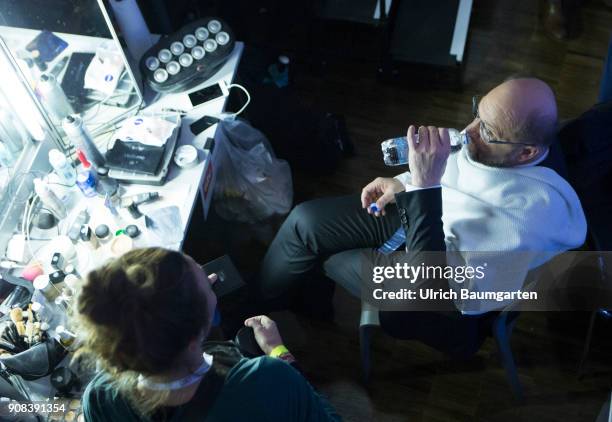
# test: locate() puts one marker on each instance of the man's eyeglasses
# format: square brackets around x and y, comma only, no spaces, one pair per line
[485,134]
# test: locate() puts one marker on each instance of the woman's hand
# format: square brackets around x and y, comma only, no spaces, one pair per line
[266,332]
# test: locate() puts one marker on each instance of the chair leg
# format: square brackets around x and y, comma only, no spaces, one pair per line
[365,336]
[587,345]
[501,332]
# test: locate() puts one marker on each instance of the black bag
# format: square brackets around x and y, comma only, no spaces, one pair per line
[36,362]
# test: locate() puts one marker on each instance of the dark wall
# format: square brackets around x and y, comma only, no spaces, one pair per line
[254,21]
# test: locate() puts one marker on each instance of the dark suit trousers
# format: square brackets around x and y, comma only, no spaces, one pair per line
[328,230]
[334,234]
[337,234]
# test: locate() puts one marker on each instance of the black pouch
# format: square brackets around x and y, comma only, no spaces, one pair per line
[36,362]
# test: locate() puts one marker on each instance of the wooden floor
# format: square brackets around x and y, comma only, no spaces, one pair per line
[411,382]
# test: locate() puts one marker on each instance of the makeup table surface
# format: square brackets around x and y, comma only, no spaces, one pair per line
[183,186]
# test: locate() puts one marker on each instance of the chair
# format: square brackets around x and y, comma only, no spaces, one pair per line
[599,239]
[500,323]
[585,141]
[596,245]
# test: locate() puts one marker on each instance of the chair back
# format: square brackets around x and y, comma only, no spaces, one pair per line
[586,143]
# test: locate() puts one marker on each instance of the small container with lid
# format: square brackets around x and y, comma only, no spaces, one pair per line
[65,337]
[88,236]
[44,285]
[106,185]
[103,234]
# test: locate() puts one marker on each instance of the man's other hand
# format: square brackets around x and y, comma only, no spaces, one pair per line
[427,158]
[381,190]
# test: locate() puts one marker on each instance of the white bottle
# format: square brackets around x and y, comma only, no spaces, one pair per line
[49,199]
[61,166]
[54,98]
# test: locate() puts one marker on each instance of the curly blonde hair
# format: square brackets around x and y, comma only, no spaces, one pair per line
[136,315]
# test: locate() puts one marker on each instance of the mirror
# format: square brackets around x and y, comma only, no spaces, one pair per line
[72,63]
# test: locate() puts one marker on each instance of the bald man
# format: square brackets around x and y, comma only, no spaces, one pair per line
[502,193]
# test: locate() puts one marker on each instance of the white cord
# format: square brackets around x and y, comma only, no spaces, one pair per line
[247,94]
[28,216]
[25,214]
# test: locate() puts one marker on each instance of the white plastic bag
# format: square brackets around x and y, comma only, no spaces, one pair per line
[252,184]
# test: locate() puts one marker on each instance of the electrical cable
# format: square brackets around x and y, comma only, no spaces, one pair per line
[27,223]
[243,89]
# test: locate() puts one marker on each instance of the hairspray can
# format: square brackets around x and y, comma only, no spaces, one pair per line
[53,97]
[78,134]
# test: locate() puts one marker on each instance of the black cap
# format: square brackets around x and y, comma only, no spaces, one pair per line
[85,232]
[132,230]
[102,231]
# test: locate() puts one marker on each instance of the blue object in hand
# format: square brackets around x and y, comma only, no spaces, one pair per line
[373,207]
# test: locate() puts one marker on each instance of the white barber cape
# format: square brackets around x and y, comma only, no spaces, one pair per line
[512,219]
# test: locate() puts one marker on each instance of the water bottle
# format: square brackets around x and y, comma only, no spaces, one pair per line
[395,150]
[279,72]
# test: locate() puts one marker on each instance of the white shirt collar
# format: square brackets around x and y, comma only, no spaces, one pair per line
[536,162]
[531,164]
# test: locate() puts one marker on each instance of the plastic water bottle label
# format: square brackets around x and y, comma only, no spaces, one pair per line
[395,150]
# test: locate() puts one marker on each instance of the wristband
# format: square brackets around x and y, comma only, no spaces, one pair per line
[279,351]
[287,357]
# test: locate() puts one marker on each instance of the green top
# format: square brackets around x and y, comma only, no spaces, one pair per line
[260,389]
